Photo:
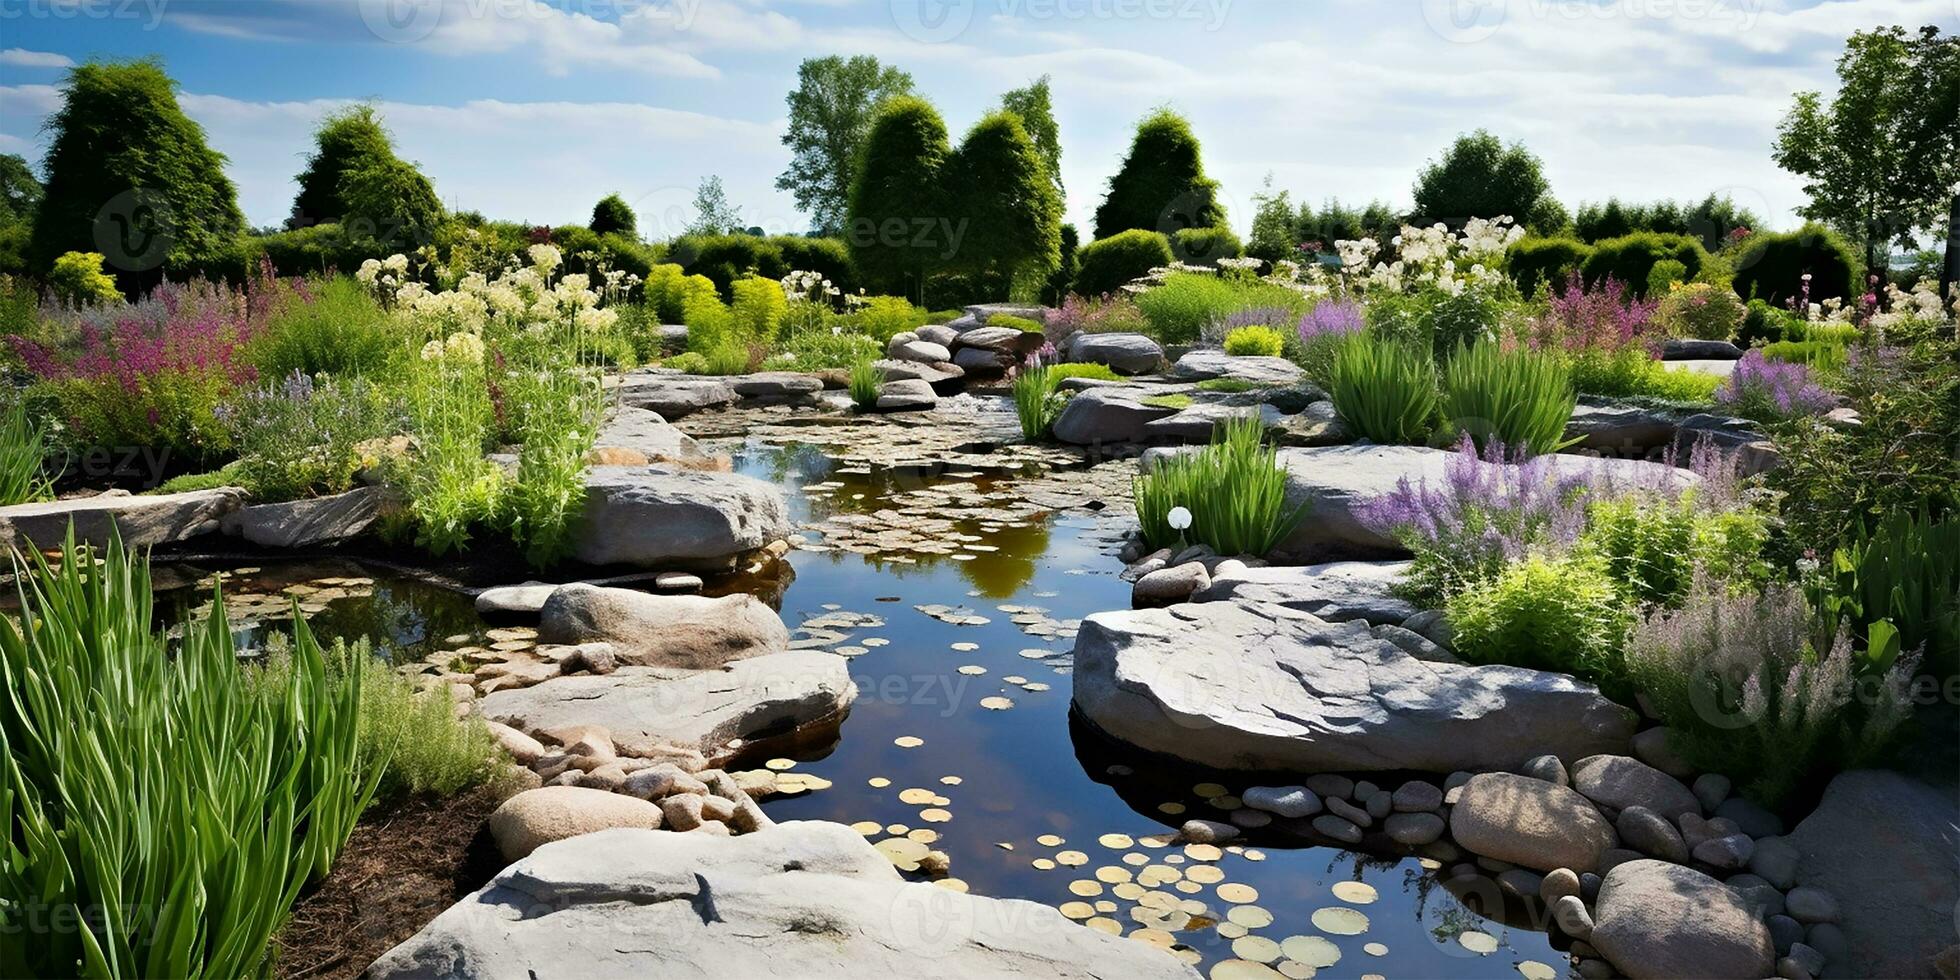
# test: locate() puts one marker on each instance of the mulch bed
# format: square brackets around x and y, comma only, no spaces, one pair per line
[404,865]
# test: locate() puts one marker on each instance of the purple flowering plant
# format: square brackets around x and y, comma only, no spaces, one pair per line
[1773,391]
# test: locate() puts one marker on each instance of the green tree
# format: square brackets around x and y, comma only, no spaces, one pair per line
[1880,161]
[830,115]
[713,214]
[20,190]
[347,140]
[390,202]
[1060,281]
[897,228]
[125,164]
[1162,185]
[1034,104]
[1009,210]
[1480,177]
[612,215]
[1272,225]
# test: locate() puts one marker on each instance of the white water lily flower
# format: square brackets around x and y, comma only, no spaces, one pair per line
[1179,518]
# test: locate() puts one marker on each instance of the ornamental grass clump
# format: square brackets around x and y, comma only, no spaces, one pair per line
[865,379]
[23,448]
[1385,390]
[165,803]
[1234,491]
[1517,397]
[1036,402]
[1772,391]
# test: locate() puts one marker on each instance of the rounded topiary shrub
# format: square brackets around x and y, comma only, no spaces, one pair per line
[1109,263]
[1255,341]
[1545,261]
[1630,258]
[1205,246]
[1701,311]
[1771,267]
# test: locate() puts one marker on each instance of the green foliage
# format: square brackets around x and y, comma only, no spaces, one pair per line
[1161,185]
[1035,106]
[1186,303]
[865,381]
[687,362]
[1255,340]
[612,215]
[1771,267]
[713,212]
[1743,692]
[1664,276]
[817,350]
[1094,372]
[452,489]
[830,117]
[1008,202]
[174,803]
[301,435]
[78,279]
[899,208]
[1438,319]
[1205,246]
[1234,489]
[1654,546]
[336,329]
[1272,226]
[1710,221]
[1519,397]
[1701,311]
[1063,278]
[881,317]
[1176,403]
[726,360]
[1385,389]
[120,136]
[228,475]
[1233,386]
[23,449]
[722,259]
[1905,574]
[1631,372]
[1480,177]
[392,203]
[1107,264]
[1036,402]
[1562,614]
[669,289]
[1630,259]
[1534,262]
[346,140]
[20,190]
[1765,324]
[758,308]
[1819,355]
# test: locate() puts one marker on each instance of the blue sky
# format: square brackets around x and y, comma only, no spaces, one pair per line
[527,109]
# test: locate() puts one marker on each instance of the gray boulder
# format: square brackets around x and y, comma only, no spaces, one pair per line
[906,395]
[1201,421]
[1883,845]
[537,817]
[650,516]
[308,522]
[1237,685]
[1000,340]
[776,386]
[933,374]
[1317,424]
[803,900]
[645,431]
[662,630]
[1662,920]
[1529,822]
[983,312]
[921,351]
[673,395]
[1124,353]
[1691,349]
[1334,591]
[1620,781]
[934,333]
[527,598]
[983,361]
[1204,365]
[1108,414]
[144,520]
[702,710]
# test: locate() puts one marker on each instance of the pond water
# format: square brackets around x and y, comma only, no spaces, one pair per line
[961,737]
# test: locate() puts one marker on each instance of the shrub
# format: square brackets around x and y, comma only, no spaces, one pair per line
[1108,264]
[900,180]
[1905,574]
[301,436]
[332,327]
[1517,397]
[1655,544]
[1205,246]
[1186,303]
[452,489]
[1233,489]
[1562,614]
[1094,372]
[1772,391]
[1534,262]
[1701,311]
[23,448]
[78,278]
[818,350]
[1255,341]
[1820,356]
[1664,276]
[1772,267]
[689,362]
[759,307]
[174,803]
[390,202]
[1161,184]
[1036,402]
[1384,389]
[1116,313]
[668,289]
[1595,316]
[1631,258]
[613,215]
[1765,324]
[865,381]
[1742,691]
[882,317]
[728,359]
[1633,373]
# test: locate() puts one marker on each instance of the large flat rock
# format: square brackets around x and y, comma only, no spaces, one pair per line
[662,630]
[309,522]
[1109,414]
[144,521]
[645,431]
[1238,685]
[1885,845]
[803,900]
[749,699]
[1664,921]
[1334,591]
[1124,353]
[651,516]
[1201,421]
[672,394]
[1204,365]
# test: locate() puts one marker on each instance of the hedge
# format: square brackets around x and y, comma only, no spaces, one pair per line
[1205,246]
[1771,266]
[1629,258]
[1107,264]
[1550,261]
[726,258]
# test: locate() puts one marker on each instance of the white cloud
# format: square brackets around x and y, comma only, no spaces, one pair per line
[23,58]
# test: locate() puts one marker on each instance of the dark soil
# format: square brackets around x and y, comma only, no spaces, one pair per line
[405,864]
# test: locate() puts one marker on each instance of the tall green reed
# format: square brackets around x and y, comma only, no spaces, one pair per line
[1520,398]
[1385,389]
[1234,489]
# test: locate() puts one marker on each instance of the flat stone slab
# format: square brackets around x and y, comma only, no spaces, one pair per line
[776,385]
[703,710]
[1199,422]
[645,431]
[144,520]
[1124,353]
[673,394]
[1109,414]
[1704,366]
[1690,349]
[1334,591]
[651,516]
[308,522]
[802,900]
[1246,685]
[1204,365]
